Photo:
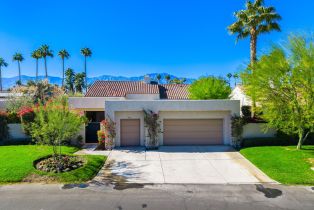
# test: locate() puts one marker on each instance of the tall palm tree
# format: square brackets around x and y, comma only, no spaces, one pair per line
[167,78]
[63,54]
[79,83]
[19,58]
[235,77]
[86,52]
[254,20]
[158,77]
[69,80]
[36,54]
[2,64]
[46,52]
[229,75]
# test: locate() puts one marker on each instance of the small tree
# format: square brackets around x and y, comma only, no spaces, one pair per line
[209,88]
[55,123]
[284,87]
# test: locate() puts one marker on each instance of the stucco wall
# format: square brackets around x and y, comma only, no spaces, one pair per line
[3,104]
[90,103]
[213,109]
[16,132]
[238,94]
[257,130]
[142,96]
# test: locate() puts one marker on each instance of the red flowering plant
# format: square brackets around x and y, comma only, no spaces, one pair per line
[27,116]
[101,140]
[106,134]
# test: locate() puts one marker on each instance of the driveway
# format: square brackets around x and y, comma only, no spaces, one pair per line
[181,165]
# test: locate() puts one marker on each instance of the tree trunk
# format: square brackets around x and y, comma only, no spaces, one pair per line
[36,69]
[253,59]
[85,75]
[302,138]
[63,72]
[46,68]
[19,66]
[0,80]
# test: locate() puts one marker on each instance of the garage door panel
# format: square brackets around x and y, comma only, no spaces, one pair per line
[193,131]
[130,132]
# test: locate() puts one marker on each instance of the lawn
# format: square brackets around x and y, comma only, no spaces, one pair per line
[284,164]
[17,164]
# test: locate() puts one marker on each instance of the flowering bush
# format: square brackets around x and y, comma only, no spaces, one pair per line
[4,130]
[106,134]
[152,124]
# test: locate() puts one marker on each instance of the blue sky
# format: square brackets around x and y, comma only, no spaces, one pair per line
[183,37]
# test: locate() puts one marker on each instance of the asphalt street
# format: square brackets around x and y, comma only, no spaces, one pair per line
[137,196]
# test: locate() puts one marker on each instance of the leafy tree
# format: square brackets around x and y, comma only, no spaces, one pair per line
[283,85]
[63,54]
[54,124]
[86,52]
[19,58]
[209,88]
[167,78]
[253,21]
[178,81]
[158,77]
[46,52]
[79,83]
[235,77]
[36,54]
[229,76]
[2,64]
[69,80]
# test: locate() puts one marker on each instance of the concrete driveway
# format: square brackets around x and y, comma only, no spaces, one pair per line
[182,165]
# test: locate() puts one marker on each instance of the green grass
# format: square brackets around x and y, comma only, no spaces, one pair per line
[284,164]
[17,163]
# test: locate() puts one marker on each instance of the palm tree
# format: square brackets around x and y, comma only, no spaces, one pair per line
[2,64]
[79,83]
[86,52]
[19,58]
[229,75]
[158,77]
[46,52]
[235,77]
[36,54]
[256,19]
[167,78]
[63,55]
[69,80]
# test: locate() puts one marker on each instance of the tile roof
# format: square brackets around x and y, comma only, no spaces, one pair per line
[174,91]
[120,88]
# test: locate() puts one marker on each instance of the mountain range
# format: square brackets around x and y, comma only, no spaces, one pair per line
[10,82]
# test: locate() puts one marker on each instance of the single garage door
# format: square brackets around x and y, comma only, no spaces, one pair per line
[193,131]
[130,132]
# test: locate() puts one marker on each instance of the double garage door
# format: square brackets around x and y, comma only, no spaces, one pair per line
[177,132]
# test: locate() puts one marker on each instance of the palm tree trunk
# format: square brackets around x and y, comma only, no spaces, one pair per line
[85,75]
[46,68]
[0,79]
[36,69]
[253,46]
[63,72]
[18,64]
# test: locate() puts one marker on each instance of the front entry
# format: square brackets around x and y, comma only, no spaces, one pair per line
[130,132]
[91,132]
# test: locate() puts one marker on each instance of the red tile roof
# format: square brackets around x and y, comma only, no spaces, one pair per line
[174,91]
[121,88]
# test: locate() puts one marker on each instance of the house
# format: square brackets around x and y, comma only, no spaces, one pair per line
[239,94]
[183,121]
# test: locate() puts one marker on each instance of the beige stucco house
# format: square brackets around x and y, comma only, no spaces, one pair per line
[183,121]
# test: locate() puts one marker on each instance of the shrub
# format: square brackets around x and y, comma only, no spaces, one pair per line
[152,124]
[27,116]
[4,129]
[13,117]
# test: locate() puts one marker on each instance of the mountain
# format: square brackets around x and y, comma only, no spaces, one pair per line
[10,82]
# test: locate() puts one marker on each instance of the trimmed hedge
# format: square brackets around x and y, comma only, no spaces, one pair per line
[280,140]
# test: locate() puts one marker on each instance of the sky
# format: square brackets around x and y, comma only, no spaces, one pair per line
[187,38]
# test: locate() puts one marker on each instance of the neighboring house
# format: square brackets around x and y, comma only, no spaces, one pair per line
[239,94]
[4,97]
[183,121]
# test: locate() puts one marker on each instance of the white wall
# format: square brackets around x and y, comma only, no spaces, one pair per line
[257,130]
[16,132]
[238,94]
[90,103]
[143,96]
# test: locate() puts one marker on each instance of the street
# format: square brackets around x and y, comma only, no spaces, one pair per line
[137,196]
